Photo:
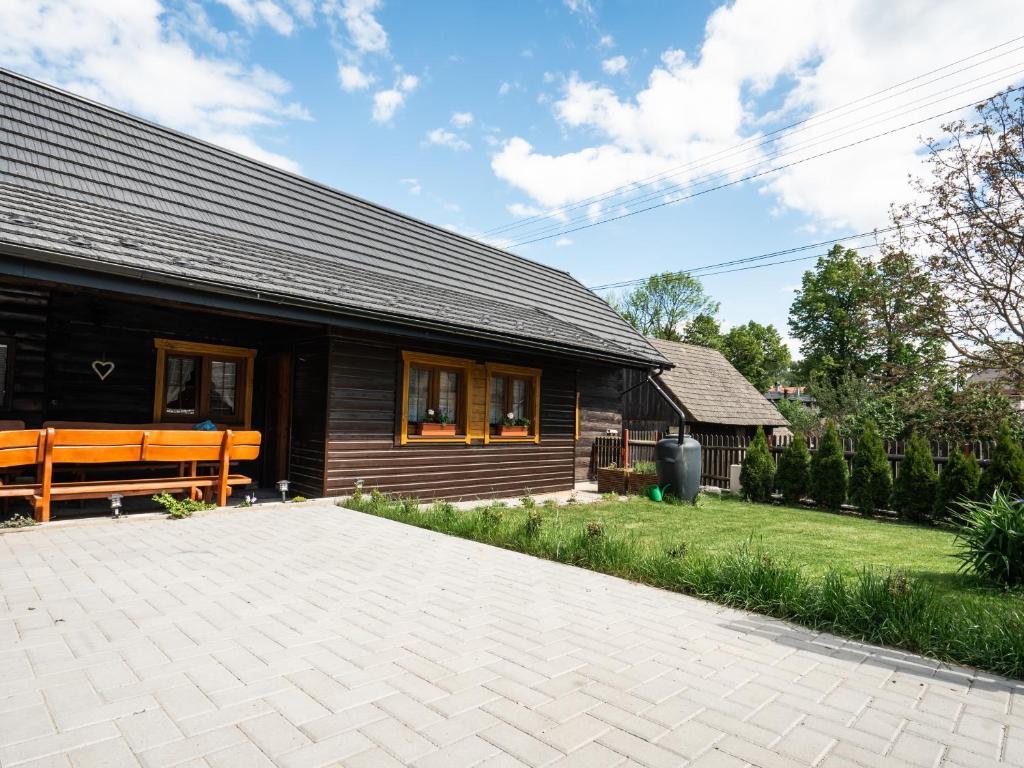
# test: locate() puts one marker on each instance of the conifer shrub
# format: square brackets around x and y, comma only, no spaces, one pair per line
[871,478]
[829,470]
[1006,472]
[793,477]
[757,474]
[958,483]
[914,496]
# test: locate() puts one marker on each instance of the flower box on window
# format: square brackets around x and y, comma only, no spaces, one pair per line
[509,430]
[434,429]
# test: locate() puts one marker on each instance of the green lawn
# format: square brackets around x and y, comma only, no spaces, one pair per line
[813,539]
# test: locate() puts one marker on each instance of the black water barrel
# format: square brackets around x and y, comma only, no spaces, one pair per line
[678,467]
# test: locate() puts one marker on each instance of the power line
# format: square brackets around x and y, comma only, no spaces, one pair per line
[816,117]
[758,174]
[561,228]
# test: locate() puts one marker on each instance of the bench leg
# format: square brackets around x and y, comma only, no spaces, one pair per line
[41,510]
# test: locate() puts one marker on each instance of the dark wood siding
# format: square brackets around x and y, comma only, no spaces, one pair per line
[23,313]
[309,418]
[364,379]
[600,410]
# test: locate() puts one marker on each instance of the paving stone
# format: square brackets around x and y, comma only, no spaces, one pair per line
[347,640]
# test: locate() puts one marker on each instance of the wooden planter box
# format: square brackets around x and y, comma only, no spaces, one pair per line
[613,480]
[432,429]
[504,431]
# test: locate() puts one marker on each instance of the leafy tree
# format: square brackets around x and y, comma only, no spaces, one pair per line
[757,351]
[704,331]
[794,474]
[1006,470]
[966,233]
[957,482]
[829,470]
[915,491]
[871,479]
[961,413]
[757,473]
[830,316]
[801,418]
[662,304]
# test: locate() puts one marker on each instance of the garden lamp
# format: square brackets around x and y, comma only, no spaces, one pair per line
[115,504]
[282,486]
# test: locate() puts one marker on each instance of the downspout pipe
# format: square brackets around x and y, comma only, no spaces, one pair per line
[649,379]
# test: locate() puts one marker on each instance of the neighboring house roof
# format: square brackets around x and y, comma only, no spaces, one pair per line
[710,390]
[93,188]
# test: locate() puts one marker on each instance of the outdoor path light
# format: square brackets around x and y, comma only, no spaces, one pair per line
[282,486]
[115,504]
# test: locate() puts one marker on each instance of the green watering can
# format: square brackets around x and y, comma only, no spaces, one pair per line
[655,493]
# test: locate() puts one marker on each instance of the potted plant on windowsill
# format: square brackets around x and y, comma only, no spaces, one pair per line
[513,426]
[436,424]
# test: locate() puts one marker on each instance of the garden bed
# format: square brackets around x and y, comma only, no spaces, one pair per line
[624,482]
[894,585]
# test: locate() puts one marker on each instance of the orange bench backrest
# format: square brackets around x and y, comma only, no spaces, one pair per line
[21,447]
[106,446]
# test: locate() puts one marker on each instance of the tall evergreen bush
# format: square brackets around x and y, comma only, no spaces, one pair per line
[757,473]
[958,482]
[793,477]
[829,470]
[914,496]
[871,479]
[1006,472]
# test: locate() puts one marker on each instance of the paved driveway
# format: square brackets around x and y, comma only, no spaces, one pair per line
[310,635]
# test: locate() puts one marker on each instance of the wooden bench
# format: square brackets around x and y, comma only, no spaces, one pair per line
[50,448]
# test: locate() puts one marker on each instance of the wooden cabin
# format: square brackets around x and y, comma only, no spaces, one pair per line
[715,397]
[148,278]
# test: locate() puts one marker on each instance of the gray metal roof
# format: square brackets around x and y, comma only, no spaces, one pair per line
[710,389]
[106,191]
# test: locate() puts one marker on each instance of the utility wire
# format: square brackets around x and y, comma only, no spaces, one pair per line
[758,174]
[561,227]
[815,117]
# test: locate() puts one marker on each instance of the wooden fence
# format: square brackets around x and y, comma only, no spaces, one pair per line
[719,452]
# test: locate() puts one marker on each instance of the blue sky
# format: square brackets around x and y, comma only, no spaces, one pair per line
[472,115]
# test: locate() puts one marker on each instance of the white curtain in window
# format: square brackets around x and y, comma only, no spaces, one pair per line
[419,391]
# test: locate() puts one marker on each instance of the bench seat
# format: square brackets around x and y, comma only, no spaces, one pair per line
[101,489]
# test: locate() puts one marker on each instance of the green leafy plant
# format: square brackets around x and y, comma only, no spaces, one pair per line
[492,515]
[914,495]
[871,479]
[757,474]
[1006,470]
[533,522]
[180,508]
[528,502]
[511,420]
[957,482]
[440,416]
[444,510]
[794,474]
[991,538]
[829,470]
[298,499]
[18,520]
[645,467]
[595,530]
[409,505]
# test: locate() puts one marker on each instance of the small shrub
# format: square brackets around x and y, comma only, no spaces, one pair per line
[594,530]
[794,474]
[957,482]
[757,475]
[991,538]
[409,505]
[492,515]
[180,508]
[528,501]
[914,496]
[444,511]
[357,494]
[533,523]
[871,479]
[645,467]
[1006,470]
[18,520]
[829,471]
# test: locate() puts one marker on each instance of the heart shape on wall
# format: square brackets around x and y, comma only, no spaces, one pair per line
[103,368]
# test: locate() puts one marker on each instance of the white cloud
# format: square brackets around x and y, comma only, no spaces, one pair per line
[522,211]
[442,138]
[365,33]
[616,65]
[563,242]
[606,41]
[805,55]
[412,185]
[582,8]
[462,119]
[254,12]
[504,89]
[387,102]
[130,55]
[352,78]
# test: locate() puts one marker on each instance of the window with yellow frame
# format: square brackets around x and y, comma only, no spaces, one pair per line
[196,381]
[513,404]
[435,398]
